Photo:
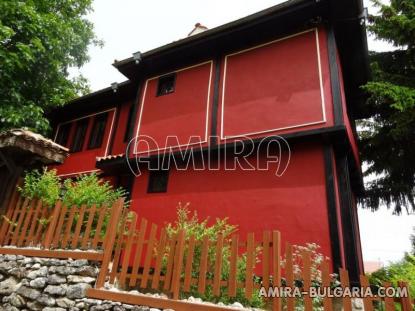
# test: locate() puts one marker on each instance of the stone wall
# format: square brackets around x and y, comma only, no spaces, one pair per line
[28,283]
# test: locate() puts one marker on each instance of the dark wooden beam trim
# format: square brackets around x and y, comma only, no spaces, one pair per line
[332,208]
[215,106]
[335,77]
[135,104]
[335,133]
[346,206]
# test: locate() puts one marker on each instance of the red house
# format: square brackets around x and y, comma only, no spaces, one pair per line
[292,71]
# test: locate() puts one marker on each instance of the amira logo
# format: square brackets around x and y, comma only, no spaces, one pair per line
[270,153]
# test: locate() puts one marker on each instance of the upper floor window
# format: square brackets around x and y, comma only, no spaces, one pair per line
[63,134]
[98,130]
[79,137]
[166,84]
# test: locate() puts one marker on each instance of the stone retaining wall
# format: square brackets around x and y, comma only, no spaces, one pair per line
[28,283]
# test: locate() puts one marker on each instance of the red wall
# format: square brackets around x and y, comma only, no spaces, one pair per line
[279,87]
[182,113]
[257,200]
[275,88]
[84,160]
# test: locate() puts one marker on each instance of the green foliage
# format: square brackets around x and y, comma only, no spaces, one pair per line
[386,138]
[200,228]
[89,189]
[316,262]
[39,41]
[193,226]
[45,185]
[85,189]
[403,270]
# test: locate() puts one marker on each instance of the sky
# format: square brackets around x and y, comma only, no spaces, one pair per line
[127,26]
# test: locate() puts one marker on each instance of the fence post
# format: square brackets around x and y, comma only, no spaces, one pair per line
[52,225]
[109,240]
[276,277]
[405,301]
[10,209]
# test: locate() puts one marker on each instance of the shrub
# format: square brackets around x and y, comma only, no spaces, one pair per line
[190,223]
[85,189]
[316,273]
[45,185]
[200,228]
[401,270]
[88,190]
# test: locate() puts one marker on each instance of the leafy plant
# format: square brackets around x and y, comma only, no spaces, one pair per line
[88,190]
[316,272]
[85,189]
[39,41]
[316,261]
[42,184]
[401,270]
[189,221]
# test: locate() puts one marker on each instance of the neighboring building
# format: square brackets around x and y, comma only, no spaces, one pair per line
[372,266]
[293,70]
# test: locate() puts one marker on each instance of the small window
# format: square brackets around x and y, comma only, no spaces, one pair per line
[63,134]
[79,137]
[157,181]
[166,84]
[98,130]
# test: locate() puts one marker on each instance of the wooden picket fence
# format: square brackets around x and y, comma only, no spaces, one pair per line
[135,254]
[148,259]
[32,228]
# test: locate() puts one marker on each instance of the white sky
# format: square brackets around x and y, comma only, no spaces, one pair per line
[127,26]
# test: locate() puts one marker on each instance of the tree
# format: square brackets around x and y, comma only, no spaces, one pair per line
[39,41]
[387,138]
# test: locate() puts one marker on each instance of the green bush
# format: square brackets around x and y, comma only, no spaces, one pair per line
[45,185]
[88,190]
[403,270]
[85,189]
[193,226]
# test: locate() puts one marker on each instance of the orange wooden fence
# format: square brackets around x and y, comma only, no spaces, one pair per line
[136,254]
[32,228]
[149,259]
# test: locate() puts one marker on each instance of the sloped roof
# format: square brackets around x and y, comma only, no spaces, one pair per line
[27,141]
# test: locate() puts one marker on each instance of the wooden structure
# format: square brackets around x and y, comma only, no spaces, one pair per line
[149,259]
[32,228]
[21,149]
[294,70]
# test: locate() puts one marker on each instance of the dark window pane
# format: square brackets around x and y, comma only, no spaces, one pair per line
[63,134]
[79,137]
[158,181]
[98,130]
[166,84]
